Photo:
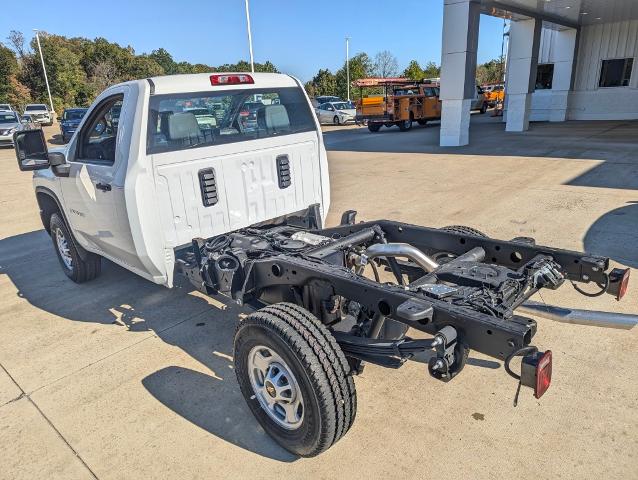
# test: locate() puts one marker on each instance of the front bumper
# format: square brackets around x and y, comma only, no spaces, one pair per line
[6,140]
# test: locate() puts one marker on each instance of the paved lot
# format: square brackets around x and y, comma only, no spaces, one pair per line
[123,379]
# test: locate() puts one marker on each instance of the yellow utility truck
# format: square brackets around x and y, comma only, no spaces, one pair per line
[402,102]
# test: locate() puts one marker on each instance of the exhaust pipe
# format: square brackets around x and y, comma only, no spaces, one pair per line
[402,250]
[580,317]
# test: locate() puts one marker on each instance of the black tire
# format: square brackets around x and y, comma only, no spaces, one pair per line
[336,121]
[405,125]
[374,127]
[78,270]
[462,229]
[483,108]
[319,367]
[422,121]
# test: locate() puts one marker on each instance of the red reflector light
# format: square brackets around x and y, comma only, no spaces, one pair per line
[536,372]
[543,374]
[235,79]
[624,284]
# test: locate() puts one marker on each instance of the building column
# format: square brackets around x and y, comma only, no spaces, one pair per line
[525,38]
[564,54]
[458,69]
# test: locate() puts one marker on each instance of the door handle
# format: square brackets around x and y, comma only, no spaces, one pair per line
[105,187]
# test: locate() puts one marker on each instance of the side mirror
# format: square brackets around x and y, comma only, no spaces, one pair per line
[31,150]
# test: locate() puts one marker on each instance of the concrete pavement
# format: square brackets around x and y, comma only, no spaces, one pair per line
[119,378]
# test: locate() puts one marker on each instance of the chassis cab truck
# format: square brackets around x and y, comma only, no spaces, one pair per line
[238,205]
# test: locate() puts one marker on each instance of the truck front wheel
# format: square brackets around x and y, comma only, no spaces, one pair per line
[74,266]
[295,378]
[374,127]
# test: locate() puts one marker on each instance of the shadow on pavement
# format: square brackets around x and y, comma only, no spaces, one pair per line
[615,235]
[176,316]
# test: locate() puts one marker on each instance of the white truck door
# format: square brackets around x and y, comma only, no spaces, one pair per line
[93,193]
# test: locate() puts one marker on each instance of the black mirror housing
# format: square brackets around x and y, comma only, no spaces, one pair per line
[56,159]
[31,150]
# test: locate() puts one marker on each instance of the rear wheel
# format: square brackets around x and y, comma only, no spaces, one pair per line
[405,125]
[462,229]
[295,378]
[374,127]
[443,257]
[483,108]
[422,121]
[73,265]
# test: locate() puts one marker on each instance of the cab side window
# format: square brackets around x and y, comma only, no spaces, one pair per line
[98,138]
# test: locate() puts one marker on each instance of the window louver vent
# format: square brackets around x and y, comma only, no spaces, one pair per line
[283,171]
[208,187]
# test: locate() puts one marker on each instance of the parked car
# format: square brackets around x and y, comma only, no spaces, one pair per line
[325,99]
[40,113]
[28,122]
[9,124]
[5,107]
[69,122]
[336,113]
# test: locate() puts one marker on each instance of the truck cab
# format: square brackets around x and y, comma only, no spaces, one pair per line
[143,174]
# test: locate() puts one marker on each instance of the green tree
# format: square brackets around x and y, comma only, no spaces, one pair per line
[360,67]
[65,73]
[413,71]
[323,83]
[165,60]
[11,90]
[491,72]
[431,70]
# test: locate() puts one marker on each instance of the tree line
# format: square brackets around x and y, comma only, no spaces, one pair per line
[385,65]
[79,68]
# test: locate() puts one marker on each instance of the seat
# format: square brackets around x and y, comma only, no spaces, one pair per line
[273,119]
[182,125]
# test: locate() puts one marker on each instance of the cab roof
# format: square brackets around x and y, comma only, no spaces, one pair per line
[201,82]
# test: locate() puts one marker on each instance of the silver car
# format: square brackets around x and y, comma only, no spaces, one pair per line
[9,124]
[336,113]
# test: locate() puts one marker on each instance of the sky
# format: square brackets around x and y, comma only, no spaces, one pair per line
[298,36]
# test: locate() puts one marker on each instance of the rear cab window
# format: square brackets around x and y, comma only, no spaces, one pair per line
[191,120]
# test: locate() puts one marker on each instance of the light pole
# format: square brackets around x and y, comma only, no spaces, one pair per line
[250,39]
[348,66]
[44,69]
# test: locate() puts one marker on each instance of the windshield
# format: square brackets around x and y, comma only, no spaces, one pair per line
[36,107]
[342,106]
[191,120]
[8,118]
[73,114]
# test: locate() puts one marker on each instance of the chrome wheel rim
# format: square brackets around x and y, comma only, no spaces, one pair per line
[275,387]
[63,249]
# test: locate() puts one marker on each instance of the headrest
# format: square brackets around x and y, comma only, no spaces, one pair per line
[182,125]
[275,117]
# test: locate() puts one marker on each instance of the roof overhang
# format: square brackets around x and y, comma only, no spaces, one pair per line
[563,13]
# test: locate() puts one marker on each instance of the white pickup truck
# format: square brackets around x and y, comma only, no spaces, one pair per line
[40,113]
[223,178]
